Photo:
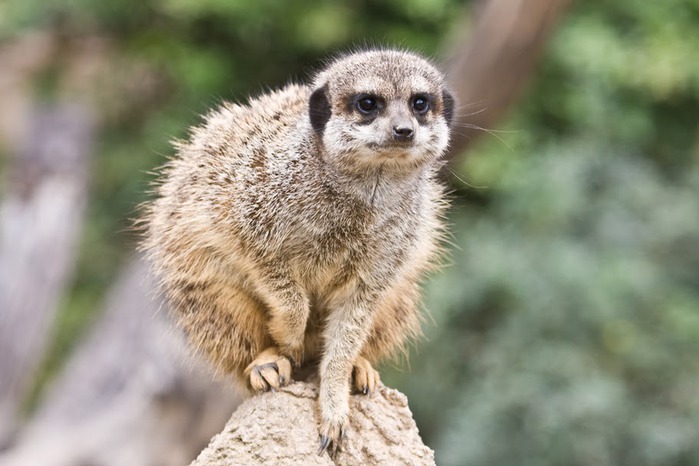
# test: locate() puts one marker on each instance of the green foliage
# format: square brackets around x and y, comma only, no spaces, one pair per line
[568,329]
[622,73]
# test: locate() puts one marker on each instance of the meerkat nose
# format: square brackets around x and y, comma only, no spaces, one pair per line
[402,133]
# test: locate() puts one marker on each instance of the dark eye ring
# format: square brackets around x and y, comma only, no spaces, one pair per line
[421,104]
[366,104]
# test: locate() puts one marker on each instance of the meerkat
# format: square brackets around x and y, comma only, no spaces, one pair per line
[296,230]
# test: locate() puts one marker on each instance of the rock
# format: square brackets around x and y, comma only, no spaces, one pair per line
[281,428]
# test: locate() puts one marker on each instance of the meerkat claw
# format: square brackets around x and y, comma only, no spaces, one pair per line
[365,378]
[324,444]
[268,371]
[331,439]
[327,444]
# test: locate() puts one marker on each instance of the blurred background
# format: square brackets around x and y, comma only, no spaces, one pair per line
[565,327]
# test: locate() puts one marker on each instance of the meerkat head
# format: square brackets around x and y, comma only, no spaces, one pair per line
[381,108]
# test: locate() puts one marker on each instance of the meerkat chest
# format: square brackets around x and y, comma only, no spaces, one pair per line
[349,245]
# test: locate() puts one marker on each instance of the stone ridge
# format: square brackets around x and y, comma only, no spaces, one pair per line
[281,428]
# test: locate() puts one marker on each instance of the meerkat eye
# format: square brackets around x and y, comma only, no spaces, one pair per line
[421,104]
[366,104]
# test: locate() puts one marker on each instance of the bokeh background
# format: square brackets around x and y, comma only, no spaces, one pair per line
[565,327]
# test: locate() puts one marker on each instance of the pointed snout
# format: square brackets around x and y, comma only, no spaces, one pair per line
[402,123]
[403,132]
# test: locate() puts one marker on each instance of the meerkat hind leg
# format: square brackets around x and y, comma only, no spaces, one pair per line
[364,377]
[269,370]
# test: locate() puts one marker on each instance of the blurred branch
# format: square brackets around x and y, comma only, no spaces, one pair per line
[40,221]
[490,70]
[130,394]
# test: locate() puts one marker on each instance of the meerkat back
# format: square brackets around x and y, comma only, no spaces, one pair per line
[295,231]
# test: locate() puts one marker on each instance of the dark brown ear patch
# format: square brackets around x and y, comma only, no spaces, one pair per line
[448,102]
[319,109]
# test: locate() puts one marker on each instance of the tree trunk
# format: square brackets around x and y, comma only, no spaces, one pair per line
[130,395]
[490,69]
[40,221]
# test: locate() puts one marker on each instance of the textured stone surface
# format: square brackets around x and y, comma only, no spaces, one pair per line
[281,428]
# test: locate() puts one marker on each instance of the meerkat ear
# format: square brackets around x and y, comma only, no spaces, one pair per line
[448,102]
[319,109]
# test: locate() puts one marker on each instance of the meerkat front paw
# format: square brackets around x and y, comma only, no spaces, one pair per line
[364,377]
[332,433]
[269,370]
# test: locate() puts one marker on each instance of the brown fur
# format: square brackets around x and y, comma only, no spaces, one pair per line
[296,228]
